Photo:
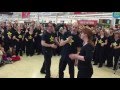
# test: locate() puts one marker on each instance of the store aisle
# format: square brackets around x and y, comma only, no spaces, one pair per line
[29,67]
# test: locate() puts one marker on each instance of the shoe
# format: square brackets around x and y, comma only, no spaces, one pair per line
[42,72]
[38,53]
[31,55]
[110,66]
[27,55]
[95,64]
[48,77]
[99,66]
[114,69]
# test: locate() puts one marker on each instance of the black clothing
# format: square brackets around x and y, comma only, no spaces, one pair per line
[85,69]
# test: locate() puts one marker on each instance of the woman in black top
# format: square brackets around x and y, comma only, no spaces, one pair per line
[85,69]
[19,40]
[115,45]
[29,37]
[109,52]
[101,43]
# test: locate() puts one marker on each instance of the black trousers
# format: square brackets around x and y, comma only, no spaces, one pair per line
[62,66]
[116,54]
[6,46]
[100,55]
[24,46]
[85,73]
[116,58]
[37,47]
[19,48]
[47,63]
[110,58]
[29,48]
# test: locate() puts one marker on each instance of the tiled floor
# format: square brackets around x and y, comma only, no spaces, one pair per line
[29,67]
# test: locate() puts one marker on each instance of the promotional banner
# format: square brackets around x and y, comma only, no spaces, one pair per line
[25,14]
[87,22]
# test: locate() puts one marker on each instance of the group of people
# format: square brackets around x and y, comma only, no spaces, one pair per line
[20,38]
[78,45]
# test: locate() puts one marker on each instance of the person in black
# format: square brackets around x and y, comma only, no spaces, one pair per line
[85,69]
[19,41]
[95,35]
[48,44]
[109,50]
[115,45]
[100,49]
[8,38]
[54,33]
[71,43]
[29,37]
[37,37]
[14,30]
[62,31]
[23,29]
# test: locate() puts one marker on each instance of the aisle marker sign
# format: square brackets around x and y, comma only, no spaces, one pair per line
[116,14]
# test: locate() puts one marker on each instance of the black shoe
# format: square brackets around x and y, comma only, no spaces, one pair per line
[99,66]
[95,64]
[109,65]
[27,55]
[38,53]
[48,77]
[42,72]
[114,69]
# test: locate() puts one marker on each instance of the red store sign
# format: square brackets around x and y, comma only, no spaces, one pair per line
[87,22]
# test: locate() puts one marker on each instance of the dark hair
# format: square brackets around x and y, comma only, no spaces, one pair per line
[89,34]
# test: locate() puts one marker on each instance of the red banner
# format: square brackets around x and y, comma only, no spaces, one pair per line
[87,22]
[25,14]
[77,12]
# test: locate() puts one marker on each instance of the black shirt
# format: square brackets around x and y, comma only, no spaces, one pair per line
[49,39]
[37,36]
[29,36]
[8,33]
[86,51]
[72,46]
[116,43]
[100,41]
[95,37]
[110,39]
[20,36]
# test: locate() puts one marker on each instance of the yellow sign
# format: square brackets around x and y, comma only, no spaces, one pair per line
[20,36]
[71,41]
[100,41]
[9,33]
[30,37]
[114,44]
[51,39]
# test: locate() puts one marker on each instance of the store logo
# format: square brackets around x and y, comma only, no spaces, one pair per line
[116,14]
